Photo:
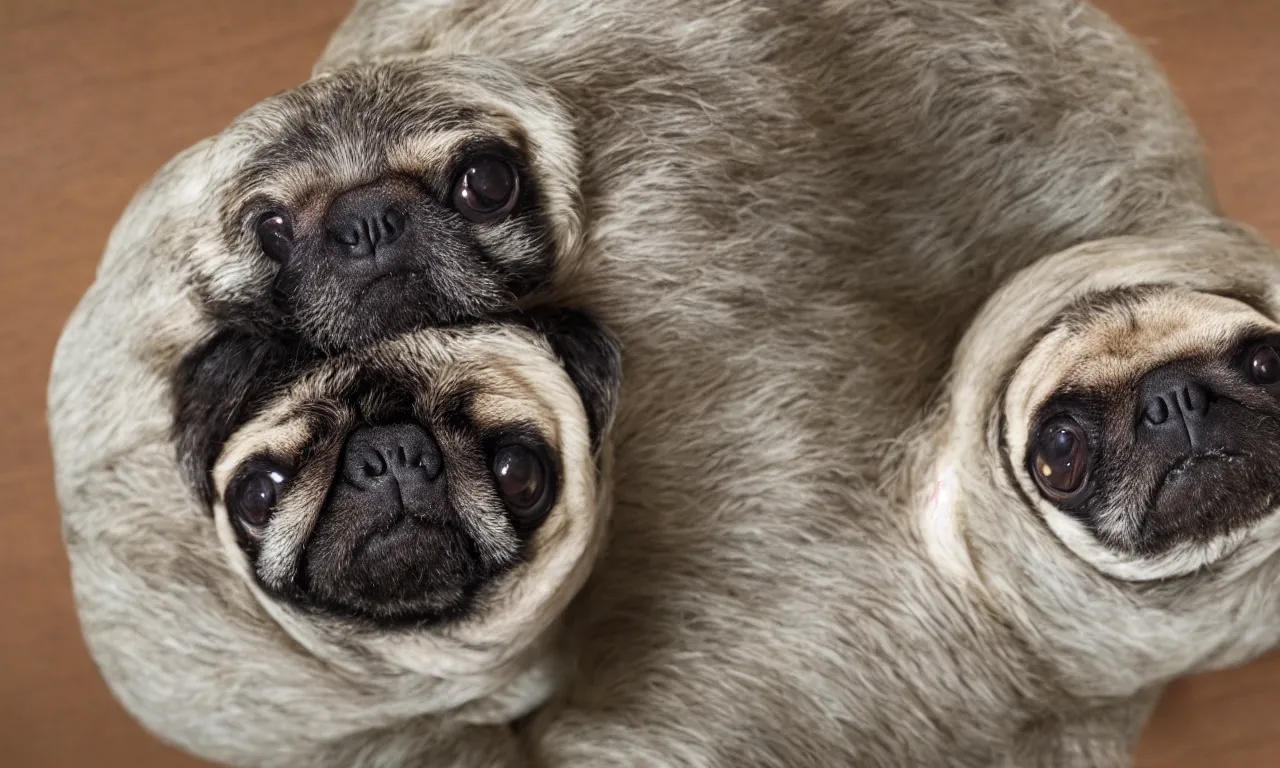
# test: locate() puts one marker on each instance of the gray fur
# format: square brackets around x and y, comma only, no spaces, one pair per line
[797,217]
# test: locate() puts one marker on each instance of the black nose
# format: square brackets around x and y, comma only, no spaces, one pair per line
[368,224]
[395,468]
[1176,407]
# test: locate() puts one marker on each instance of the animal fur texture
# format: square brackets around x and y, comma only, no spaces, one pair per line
[850,251]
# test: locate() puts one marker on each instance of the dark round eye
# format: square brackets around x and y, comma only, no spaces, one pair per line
[523,481]
[252,496]
[1265,366]
[1061,458]
[487,189]
[275,236]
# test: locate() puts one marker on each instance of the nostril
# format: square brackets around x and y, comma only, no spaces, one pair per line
[1195,399]
[393,225]
[419,456]
[348,237]
[374,466]
[363,465]
[1157,412]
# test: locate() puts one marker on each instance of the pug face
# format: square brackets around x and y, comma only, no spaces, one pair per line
[1148,419]
[439,484]
[385,198]
[1132,402]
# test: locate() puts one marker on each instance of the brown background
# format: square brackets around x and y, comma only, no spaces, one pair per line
[96,94]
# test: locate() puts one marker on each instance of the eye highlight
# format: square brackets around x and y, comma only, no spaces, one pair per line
[487,189]
[251,498]
[275,236]
[524,482]
[1060,458]
[1264,366]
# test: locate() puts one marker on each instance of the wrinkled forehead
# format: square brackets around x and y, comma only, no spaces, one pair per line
[492,380]
[1109,340]
[348,128]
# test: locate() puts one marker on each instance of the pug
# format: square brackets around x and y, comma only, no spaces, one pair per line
[1097,486]
[426,506]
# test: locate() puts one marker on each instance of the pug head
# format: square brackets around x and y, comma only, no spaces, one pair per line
[1145,423]
[387,197]
[1102,472]
[432,497]
[1129,397]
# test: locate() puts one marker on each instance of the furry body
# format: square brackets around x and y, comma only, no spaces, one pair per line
[790,214]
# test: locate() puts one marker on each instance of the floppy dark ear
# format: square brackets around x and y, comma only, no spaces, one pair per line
[216,389]
[592,357]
